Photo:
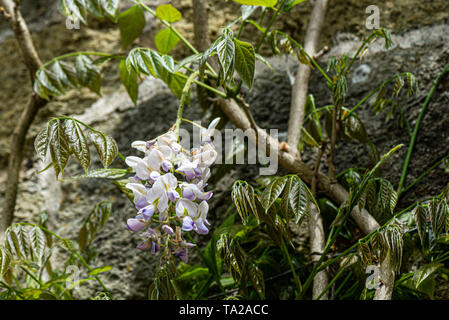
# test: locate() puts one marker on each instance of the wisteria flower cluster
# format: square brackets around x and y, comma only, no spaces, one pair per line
[169,191]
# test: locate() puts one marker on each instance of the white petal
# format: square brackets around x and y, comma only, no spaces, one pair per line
[184,205]
[154,159]
[170,180]
[203,209]
[139,145]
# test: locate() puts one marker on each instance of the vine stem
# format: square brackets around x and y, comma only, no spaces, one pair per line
[292,268]
[416,129]
[424,174]
[270,24]
[80,53]
[365,42]
[339,273]
[184,97]
[347,114]
[311,59]
[170,26]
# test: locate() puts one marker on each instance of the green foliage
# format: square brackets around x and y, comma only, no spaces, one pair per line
[165,285]
[245,61]
[57,77]
[262,3]
[168,13]
[64,136]
[78,9]
[166,40]
[131,23]
[291,3]
[130,81]
[244,200]
[149,62]
[93,223]
[26,272]
[432,221]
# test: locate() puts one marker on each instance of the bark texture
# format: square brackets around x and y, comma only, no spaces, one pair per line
[301,84]
[33,63]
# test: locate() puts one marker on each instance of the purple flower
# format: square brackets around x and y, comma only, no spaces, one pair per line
[167,229]
[182,254]
[147,212]
[154,247]
[144,246]
[187,224]
[135,225]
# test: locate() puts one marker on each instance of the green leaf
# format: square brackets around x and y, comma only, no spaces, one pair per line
[5,261]
[245,61]
[78,9]
[272,192]
[59,146]
[77,142]
[41,142]
[121,184]
[65,75]
[176,82]
[296,198]
[261,3]
[196,272]
[94,8]
[101,174]
[166,40]
[139,61]
[97,271]
[291,4]
[354,129]
[398,85]
[308,139]
[425,272]
[247,11]
[226,55]
[257,279]
[264,61]
[131,23]
[94,222]
[83,237]
[106,147]
[110,8]
[88,74]
[412,84]
[188,60]
[38,243]
[243,197]
[16,240]
[162,67]
[258,26]
[168,13]
[73,8]
[46,84]
[130,81]
[207,54]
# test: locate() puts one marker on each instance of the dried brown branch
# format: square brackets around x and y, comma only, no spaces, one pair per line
[317,235]
[32,61]
[201,24]
[301,84]
[297,112]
